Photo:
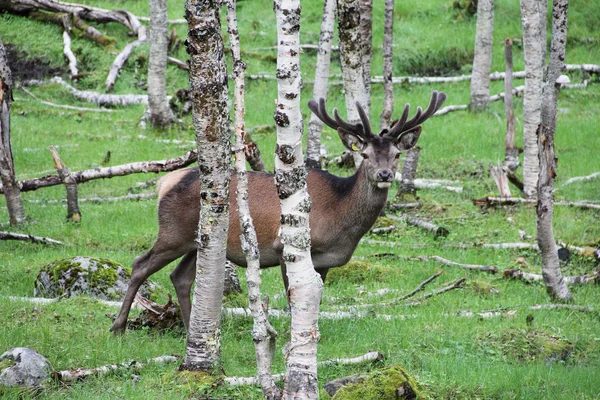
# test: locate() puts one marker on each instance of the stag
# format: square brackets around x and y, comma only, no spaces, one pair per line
[343,209]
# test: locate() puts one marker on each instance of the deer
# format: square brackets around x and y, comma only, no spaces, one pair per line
[343,208]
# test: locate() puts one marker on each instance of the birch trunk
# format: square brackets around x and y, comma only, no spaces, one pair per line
[73,212]
[305,285]
[208,83]
[511,158]
[366,34]
[12,193]
[263,342]
[534,43]
[482,61]
[351,58]
[553,278]
[315,126]
[388,66]
[158,105]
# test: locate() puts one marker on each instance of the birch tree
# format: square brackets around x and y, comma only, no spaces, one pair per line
[555,283]
[351,57]
[208,83]
[388,66]
[12,193]
[482,61]
[305,285]
[158,105]
[315,126]
[366,35]
[262,333]
[534,44]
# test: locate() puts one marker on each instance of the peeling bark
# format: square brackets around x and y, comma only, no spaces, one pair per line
[305,285]
[12,192]
[263,334]
[553,278]
[208,83]
[482,61]
[315,126]
[158,104]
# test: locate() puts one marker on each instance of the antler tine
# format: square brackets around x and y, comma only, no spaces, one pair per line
[354,128]
[437,99]
[365,120]
[323,115]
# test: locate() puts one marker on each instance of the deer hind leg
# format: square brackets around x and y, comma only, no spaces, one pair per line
[143,266]
[183,277]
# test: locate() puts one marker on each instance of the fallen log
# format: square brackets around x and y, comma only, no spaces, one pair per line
[569,280]
[122,57]
[500,201]
[67,107]
[581,178]
[28,238]
[485,268]
[437,230]
[137,197]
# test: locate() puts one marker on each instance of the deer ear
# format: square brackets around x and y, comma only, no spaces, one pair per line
[350,140]
[408,139]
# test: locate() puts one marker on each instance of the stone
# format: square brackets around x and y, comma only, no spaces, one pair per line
[99,278]
[392,383]
[25,367]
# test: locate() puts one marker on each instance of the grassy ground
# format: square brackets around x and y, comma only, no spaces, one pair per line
[554,356]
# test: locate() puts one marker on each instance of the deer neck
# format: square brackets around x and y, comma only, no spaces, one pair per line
[366,200]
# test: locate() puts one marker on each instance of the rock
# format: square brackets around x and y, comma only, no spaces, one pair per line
[26,368]
[389,383]
[232,282]
[86,276]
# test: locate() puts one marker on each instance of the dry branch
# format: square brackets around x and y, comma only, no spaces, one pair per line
[123,56]
[29,238]
[593,277]
[73,375]
[69,54]
[385,229]
[581,178]
[485,268]
[498,201]
[66,107]
[140,196]
[437,230]
[184,65]
[501,180]
[457,284]
[402,206]
[101,99]
[109,172]
[64,173]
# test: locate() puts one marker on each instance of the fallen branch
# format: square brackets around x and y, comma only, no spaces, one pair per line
[28,238]
[403,206]
[109,172]
[73,212]
[501,180]
[69,54]
[73,375]
[102,99]
[485,268]
[184,65]
[569,280]
[495,201]
[385,229]
[123,56]
[420,287]
[581,178]
[457,284]
[432,183]
[140,196]
[437,230]
[66,107]
[171,21]
[371,356]
[44,300]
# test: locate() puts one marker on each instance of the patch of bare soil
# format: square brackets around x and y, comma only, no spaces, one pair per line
[24,67]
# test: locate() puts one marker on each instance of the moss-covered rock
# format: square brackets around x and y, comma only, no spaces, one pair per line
[390,383]
[356,272]
[86,276]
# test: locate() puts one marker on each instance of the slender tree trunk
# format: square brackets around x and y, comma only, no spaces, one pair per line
[388,66]
[366,34]
[315,126]
[351,57]
[511,158]
[409,172]
[158,105]
[482,61]
[553,278]
[208,82]
[12,193]
[305,285]
[64,173]
[534,43]
[264,343]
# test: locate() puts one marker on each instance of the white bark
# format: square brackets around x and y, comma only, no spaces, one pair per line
[66,107]
[482,61]
[351,58]
[264,343]
[27,238]
[305,285]
[315,126]
[122,57]
[69,54]
[553,278]
[208,77]
[534,43]
[511,158]
[388,66]
[366,35]
[158,105]
[73,212]
[102,99]
[12,192]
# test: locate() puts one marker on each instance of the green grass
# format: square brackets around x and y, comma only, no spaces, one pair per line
[453,357]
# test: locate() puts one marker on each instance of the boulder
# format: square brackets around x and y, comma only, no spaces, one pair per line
[391,383]
[100,278]
[23,367]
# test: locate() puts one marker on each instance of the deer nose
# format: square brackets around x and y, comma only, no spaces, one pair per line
[385,175]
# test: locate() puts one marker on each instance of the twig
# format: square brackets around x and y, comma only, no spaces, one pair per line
[402,206]
[28,238]
[581,178]
[485,268]
[437,230]
[66,107]
[385,229]
[457,284]
[184,65]
[420,287]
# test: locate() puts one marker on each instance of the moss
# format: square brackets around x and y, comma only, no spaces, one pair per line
[483,287]
[6,363]
[389,383]
[383,222]
[356,272]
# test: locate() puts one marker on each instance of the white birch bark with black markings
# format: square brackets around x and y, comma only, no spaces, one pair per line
[264,343]
[12,192]
[351,59]
[208,83]
[534,42]
[482,60]
[158,104]
[511,158]
[315,126]
[73,212]
[366,35]
[555,283]
[409,171]
[388,66]
[305,285]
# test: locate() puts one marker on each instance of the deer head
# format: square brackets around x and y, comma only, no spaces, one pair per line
[380,152]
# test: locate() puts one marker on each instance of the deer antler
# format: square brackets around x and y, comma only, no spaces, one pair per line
[402,125]
[363,130]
